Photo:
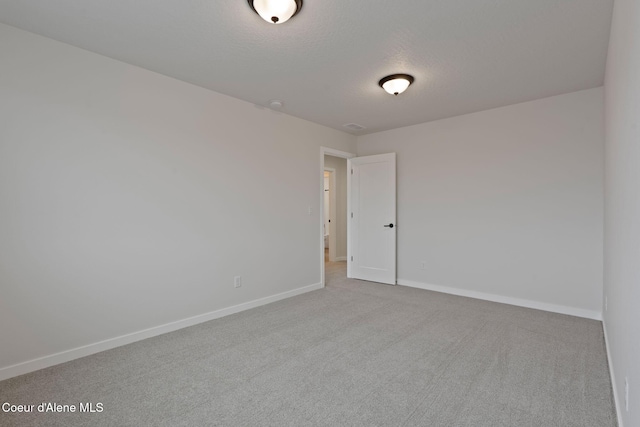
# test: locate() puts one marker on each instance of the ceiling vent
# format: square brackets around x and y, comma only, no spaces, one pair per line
[353,126]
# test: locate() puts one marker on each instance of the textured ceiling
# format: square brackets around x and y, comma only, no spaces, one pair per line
[325,63]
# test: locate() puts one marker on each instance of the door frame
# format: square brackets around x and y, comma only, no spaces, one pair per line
[335,153]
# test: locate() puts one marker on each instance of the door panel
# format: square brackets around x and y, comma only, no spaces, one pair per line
[372,197]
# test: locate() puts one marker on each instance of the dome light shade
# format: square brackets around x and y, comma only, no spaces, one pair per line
[276,11]
[396,83]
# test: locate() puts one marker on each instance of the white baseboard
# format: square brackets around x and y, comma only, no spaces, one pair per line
[341,258]
[613,376]
[572,311]
[86,350]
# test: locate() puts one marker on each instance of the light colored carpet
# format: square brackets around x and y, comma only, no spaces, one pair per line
[355,353]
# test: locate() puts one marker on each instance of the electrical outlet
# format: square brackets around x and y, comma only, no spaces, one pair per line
[606,303]
[310,210]
[237,281]
[626,393]
[423,265]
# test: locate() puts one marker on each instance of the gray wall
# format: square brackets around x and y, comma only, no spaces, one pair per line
[129,200]
[504,202]
[622,207]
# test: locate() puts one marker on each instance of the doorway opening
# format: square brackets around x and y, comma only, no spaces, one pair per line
[333,197]
[329,212]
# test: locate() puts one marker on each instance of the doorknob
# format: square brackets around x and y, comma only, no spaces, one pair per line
[390,225]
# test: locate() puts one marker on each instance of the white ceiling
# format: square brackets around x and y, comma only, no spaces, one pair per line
[325,63]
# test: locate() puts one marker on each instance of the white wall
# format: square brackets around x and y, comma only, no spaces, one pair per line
[505,202]
[622,206]
[340,165]
[129,199]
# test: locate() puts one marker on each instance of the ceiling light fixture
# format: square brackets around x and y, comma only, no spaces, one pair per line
[276,11]
[396,83]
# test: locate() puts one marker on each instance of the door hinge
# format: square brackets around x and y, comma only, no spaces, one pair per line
[351,259]
[351,171]
[351,214]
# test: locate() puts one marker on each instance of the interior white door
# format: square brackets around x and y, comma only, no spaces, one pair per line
[371,247]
